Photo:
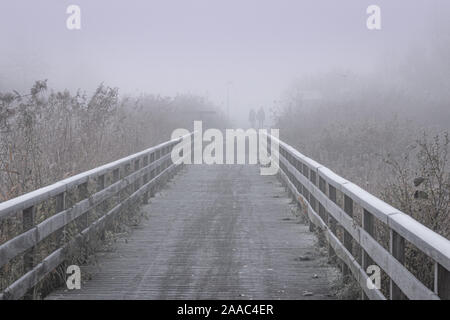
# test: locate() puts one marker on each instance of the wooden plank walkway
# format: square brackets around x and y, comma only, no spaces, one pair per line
[215,232]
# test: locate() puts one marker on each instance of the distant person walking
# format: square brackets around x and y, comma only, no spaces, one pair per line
[252,118]
[261,117]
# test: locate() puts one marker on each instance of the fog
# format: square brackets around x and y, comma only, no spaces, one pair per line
[255,48]
[373,106]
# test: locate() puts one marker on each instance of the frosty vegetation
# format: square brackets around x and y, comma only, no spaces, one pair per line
[47,136]
[387,131]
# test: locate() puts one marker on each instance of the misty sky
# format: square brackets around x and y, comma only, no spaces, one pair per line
[197,46]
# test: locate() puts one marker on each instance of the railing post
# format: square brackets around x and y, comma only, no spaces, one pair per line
[397,248]
[84,219]
[322,185]
[116,175]
[169,162]
[60,236]
[312,200]
[101,209]
[158,156]
[136,168]
[28,216]
[332,222]
[289,174]
[100,187]
[441,282]
[368,226]
[152,174]
[164,165]
[100,183]
[322,212]
[83,194]
[116,198]
[28,221]
[61,202]
[124,174]
[145,196]
[348,208]
[127,190]
[115,178]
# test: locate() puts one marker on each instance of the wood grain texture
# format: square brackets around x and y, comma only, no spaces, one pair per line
[216,232]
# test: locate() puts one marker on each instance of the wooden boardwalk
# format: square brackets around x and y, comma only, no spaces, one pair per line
[215,232]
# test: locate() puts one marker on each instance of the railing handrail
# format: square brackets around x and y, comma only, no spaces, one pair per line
[429,242]
[26,200]
[385,212]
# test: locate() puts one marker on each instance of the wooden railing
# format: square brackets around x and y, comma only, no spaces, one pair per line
[132,180]
[316,188]
[329,199]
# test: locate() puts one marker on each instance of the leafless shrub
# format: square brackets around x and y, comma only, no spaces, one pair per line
[420,187]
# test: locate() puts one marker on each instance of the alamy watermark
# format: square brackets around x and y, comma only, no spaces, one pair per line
[374,20]
[73,281]
[73,21]
[374,279]
[234,143]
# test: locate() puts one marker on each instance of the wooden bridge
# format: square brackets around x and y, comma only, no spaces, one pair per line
[215,232]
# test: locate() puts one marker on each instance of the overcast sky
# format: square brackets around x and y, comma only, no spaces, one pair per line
[197,46]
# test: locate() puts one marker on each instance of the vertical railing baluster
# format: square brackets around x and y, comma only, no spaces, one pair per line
[312,200]
[127,190]
[322,212]
[138,179]
[306,174]
[116,175]
[368,226]
[322,185]
[332,222]
[348,208]
[152,174]
[169,162]
[83,194]
[60,235]
[116,178]
[28,221]
[158,156]
[100,186]
[116,198]
[157,168]
[100,182]
[441,281]
[28,218]
[102,207]
[397,248]
[125,174]
[83,222]
[145,196]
